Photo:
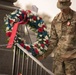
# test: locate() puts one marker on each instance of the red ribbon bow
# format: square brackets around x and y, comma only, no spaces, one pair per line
[11,41]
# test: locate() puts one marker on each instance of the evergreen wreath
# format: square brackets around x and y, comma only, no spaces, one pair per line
[20,17]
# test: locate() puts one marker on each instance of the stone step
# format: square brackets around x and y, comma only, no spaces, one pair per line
[6,61]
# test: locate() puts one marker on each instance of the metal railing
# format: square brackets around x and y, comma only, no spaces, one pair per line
[26,64]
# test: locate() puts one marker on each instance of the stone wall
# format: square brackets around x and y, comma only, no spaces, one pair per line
[6,55]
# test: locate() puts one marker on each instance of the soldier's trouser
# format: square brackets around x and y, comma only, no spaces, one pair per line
[67,67]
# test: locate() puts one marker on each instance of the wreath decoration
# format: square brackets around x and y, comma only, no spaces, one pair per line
[21,17]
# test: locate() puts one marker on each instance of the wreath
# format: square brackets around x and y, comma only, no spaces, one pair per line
[21,17]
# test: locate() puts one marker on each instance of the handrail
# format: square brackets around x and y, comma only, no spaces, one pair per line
[34,59]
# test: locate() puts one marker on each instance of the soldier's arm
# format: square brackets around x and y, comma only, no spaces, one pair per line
[53,40]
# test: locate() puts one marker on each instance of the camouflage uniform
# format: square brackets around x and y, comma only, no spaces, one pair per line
[63,41]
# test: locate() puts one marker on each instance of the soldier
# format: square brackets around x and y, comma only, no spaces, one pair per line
[63,40]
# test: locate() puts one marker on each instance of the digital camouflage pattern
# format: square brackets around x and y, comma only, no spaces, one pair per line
[65,34]
[63,43]
[65,68]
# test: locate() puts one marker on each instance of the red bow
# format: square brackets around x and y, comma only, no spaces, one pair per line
[11,41]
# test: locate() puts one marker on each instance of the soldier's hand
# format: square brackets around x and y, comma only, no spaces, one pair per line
[41,57]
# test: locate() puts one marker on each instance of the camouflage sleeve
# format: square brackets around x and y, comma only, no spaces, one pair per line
[53,39]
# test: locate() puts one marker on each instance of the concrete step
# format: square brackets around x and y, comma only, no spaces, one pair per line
[6,57]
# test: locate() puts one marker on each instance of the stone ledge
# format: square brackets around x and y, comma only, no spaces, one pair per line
[9,0]
[7,7]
